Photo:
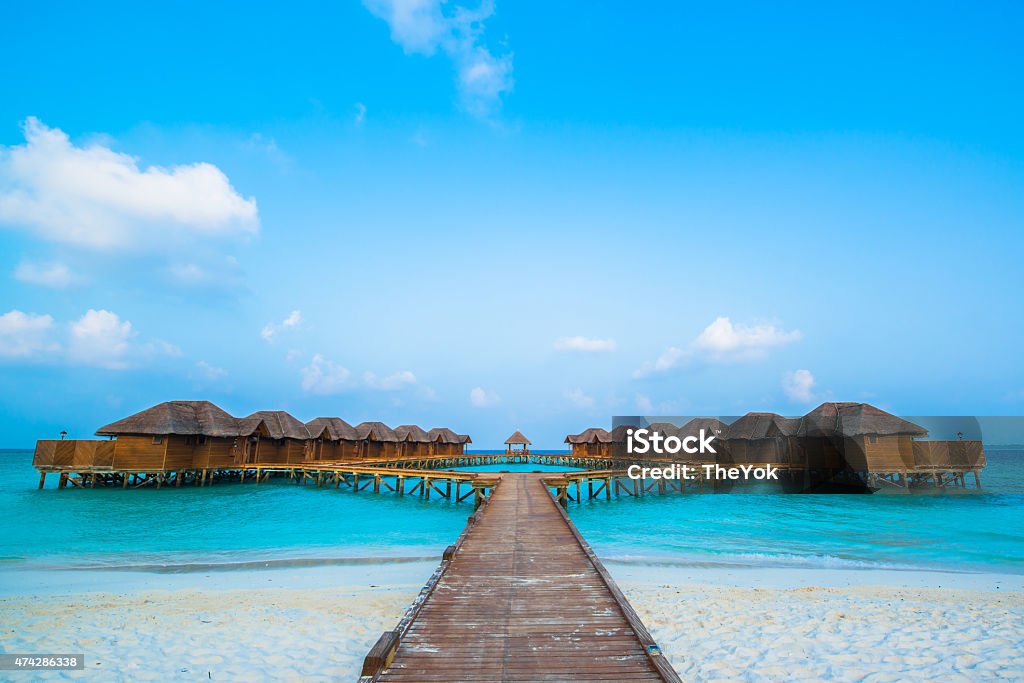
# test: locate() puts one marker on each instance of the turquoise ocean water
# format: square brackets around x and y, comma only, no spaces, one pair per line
[232,525]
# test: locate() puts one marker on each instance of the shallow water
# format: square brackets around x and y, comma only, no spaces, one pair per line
[278,522]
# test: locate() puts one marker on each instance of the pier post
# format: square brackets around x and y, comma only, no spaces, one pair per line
[977,479]
[42,479]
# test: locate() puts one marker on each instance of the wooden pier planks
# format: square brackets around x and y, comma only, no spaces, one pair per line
[524,599]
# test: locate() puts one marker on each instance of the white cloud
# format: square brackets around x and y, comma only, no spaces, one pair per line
[208,371]
[799,386]
[481,398]
[587,344]
[270,330]
[389,383]
[217,273]
[24,335]
[98,338]
[425,26]
[579,398]
[55,275]
[360,115]
[325,377]
[723,342]
[721,338]
[101,338]
[644,405]
[95,197]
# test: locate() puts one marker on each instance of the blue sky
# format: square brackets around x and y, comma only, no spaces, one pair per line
[508,216]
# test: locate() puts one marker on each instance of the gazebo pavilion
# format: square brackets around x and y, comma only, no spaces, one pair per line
[519,440]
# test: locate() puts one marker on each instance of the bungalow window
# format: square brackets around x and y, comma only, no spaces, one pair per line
[201,440]
[873,438]
[157,440]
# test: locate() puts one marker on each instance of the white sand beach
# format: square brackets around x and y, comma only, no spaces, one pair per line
[859,633]
[751,624]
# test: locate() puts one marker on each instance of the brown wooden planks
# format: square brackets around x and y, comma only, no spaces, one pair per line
[524,599]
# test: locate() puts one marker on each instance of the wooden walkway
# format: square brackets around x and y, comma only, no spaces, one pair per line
[520,597]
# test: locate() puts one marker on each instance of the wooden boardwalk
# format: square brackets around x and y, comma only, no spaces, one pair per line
[520,597]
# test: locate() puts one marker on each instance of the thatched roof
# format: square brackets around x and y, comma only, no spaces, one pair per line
[619,435]
[666,429]
[592,435]
[188,418]
[377,431]
[855,419]
[444,435]
[464,438]
[279,424]
[710,425]
[754,426]
[412,433]
[335,429]
[518,438]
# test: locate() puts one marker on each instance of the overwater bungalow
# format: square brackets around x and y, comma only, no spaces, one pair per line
[276,437]
[593,442]
[172,435]
[413,441]
[444,441]
[857,436]
[333,439]
[620,441]
[759,438]
[377,441]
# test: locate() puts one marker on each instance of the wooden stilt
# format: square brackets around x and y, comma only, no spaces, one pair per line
[42,479]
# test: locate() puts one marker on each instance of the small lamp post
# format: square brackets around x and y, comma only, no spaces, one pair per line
[63,434]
